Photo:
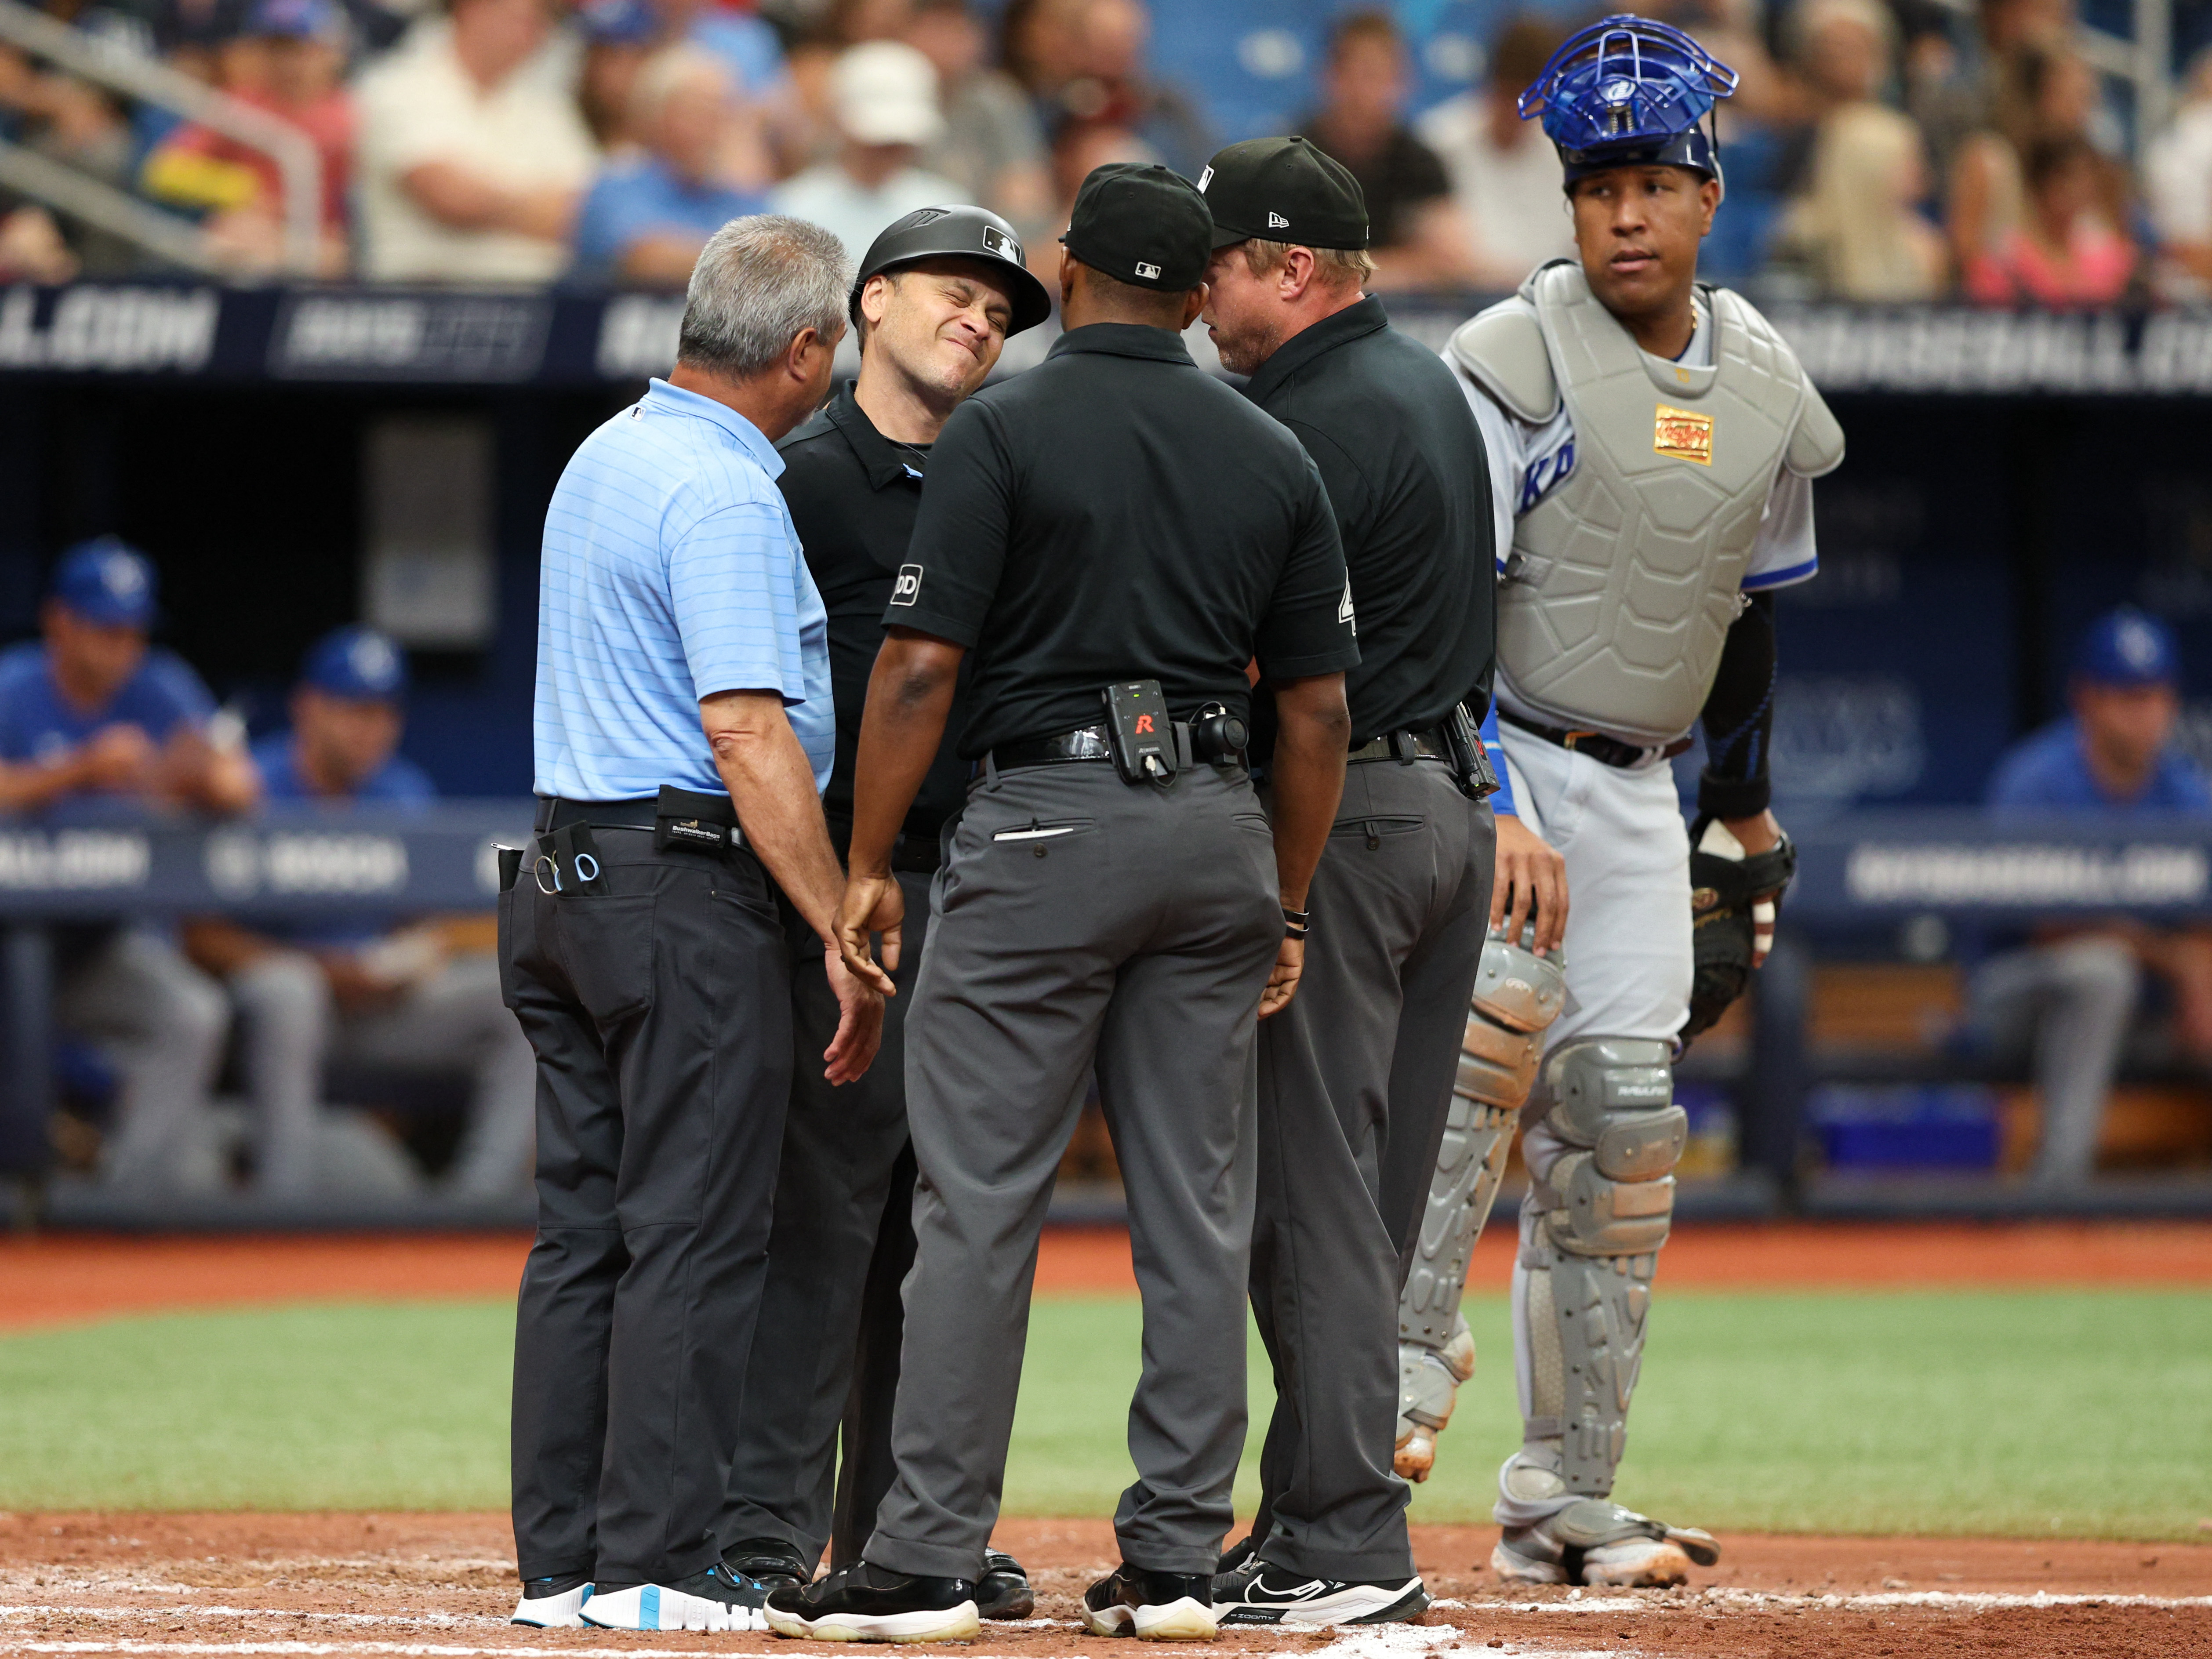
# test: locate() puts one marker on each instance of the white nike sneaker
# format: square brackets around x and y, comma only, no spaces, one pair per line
[1592,1541]
[713,1600]
[1271,1596]
[552,1604]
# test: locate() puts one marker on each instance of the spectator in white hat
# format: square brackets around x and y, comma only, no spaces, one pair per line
[882,96]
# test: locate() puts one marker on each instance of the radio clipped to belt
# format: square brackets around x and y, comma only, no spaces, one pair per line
[1150,747]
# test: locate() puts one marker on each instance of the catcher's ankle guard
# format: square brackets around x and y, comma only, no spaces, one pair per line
[1723,889]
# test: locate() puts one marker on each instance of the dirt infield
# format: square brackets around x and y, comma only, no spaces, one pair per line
[377,1585]
[62,1279]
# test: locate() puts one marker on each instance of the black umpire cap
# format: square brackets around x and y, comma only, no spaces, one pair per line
[957,233]
[1284,190]
[1142,224]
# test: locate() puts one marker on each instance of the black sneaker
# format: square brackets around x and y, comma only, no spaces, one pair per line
[1270,1595]
[1159,1606]
[771,1563]
[716,1599]
[1238,1558]
[865,1602]
[1003,1591]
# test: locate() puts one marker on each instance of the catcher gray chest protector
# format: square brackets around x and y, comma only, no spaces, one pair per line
[1623,582]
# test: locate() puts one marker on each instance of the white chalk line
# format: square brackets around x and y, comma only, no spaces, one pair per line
[1960,1601]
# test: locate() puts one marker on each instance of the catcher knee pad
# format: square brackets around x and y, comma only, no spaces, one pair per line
[1516,994]
[1613,1102]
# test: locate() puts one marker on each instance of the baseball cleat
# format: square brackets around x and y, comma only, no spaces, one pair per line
[553,1603]
[1003,1592]
[1592,1541]
[1271,1596]
[865,1602]
[1158,1607]
[713,1600]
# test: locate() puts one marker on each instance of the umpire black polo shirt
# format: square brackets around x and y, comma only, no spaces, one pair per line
[1117,514]
[1398,447]
[853,494]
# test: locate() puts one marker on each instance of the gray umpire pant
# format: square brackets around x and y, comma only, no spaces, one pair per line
[660,1012]
[1079,919]
[844,1192]
[1355,1079]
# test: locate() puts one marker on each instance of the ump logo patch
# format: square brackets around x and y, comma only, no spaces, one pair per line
[908,588]
[1684,435]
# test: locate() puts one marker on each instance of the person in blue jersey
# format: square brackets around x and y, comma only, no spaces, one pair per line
[2070,997]
[360,990]
[649,214]
[684,733]
[91,709]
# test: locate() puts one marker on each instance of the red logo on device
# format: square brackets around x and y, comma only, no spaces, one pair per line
[1144,722]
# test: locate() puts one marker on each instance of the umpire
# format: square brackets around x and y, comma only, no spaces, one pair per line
[683,734]
[1113,535]
[1355,1077]
[937,296]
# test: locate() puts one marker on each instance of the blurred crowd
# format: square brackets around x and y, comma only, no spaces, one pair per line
[1877,151]
[151,1018]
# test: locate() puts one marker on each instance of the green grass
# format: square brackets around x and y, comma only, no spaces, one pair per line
[2074,1414]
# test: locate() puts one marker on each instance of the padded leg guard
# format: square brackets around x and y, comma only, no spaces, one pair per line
[1516,994]
[1599,1208]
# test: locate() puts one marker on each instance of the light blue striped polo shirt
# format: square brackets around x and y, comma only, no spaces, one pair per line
[672,571]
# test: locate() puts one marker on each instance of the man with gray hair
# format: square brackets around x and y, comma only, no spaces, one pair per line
[683,734]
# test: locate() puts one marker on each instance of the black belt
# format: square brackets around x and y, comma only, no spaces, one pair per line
[682,817]
[1086,743]
[1606,752]
[1405,747]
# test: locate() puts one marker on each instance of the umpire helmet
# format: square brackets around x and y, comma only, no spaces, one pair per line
[958,232]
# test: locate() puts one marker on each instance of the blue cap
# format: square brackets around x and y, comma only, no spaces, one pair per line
[618,23]
[295,19]
[357,662]
[1630,92]
[2128,648]
[108,582]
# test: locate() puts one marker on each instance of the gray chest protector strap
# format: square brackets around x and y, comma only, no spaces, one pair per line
[1623,579]
[1516,994]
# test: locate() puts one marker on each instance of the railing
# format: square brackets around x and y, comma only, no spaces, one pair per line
[97,202]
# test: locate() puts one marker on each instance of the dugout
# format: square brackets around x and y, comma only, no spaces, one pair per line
[295,459]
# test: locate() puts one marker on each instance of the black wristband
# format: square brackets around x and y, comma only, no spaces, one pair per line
[1733,797]
[1296,924]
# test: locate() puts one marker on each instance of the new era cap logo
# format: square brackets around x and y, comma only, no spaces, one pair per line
[1150,273]
[908,588]
[1276,221]
[1204,179]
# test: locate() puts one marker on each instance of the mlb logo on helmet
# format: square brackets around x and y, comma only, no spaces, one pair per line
[997,241]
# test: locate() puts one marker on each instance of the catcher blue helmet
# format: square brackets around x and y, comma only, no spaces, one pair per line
[1629,92]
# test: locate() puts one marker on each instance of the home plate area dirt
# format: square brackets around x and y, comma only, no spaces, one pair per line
[442,1584]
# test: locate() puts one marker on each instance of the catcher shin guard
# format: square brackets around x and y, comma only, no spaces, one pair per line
[1733,899]
[1601,1201]
[1516,994]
